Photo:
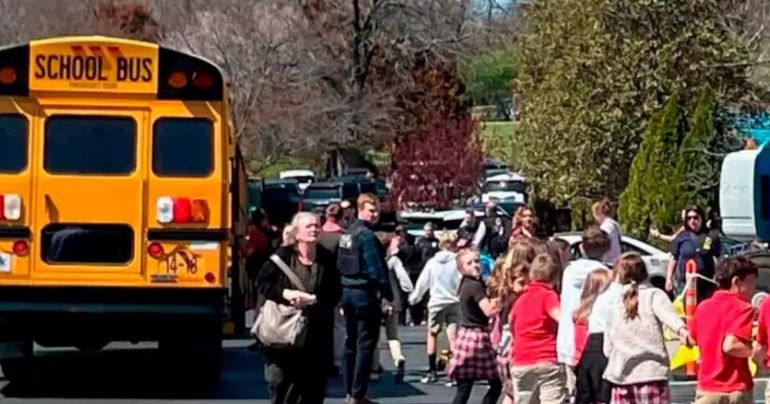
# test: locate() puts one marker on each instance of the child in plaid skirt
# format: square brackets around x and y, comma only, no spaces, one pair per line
[473,356]
[637,360]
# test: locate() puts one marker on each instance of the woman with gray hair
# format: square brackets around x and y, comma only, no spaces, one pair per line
[290,378]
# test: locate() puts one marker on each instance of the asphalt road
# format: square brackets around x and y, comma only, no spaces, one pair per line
[126,373]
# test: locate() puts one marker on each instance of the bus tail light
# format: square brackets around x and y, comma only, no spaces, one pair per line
[21,248]
[202,80]
[181,210]
[155,250]
[199,211]
[8,75]
[177,79]
[10,207]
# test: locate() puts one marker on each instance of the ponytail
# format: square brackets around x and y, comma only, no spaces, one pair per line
[631,300]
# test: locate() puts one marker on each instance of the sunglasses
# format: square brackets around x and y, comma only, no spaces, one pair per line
[693,217]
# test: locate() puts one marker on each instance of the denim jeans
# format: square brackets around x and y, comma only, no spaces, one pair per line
[363,317]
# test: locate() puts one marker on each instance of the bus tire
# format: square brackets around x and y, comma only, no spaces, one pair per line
[19,370]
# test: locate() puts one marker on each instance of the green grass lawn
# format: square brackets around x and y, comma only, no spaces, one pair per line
[497,128]
[498,139]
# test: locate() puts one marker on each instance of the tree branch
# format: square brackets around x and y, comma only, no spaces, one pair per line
[704,151]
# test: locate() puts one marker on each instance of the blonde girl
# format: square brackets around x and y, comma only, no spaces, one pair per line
[507,284]
[473,356]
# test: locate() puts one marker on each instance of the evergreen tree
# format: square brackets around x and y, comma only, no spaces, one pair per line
[635,210]
[697,168]
[594,71]
[654,191]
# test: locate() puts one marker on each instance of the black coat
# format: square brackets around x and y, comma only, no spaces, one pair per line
[319,345]
[497,235]
[428,247]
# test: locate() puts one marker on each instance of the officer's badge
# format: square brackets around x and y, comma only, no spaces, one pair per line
[346,241]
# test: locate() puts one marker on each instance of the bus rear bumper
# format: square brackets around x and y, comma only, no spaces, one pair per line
[73,316]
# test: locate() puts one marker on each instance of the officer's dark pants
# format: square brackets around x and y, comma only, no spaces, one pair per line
[363,317]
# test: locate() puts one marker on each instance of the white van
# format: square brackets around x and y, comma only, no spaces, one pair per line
[510,187]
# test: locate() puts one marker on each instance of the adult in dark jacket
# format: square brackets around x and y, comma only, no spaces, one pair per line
[366,293]
[699,244]
[427,247]
[498,231]
[427,244]
[290,378]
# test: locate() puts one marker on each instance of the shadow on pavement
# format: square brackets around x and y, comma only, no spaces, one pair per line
[141,374]
[132,374]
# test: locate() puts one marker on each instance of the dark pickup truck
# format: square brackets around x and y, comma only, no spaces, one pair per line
[281,201]
[319,195]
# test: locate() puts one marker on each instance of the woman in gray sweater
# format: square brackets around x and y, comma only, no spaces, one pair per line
[638,362]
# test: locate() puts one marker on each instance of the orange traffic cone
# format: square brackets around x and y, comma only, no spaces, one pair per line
[690,301]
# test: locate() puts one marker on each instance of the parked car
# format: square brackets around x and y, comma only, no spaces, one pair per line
[357,172]
[255,190]
[281,200]
[494,167]
[655,259]
[443,220]
[510,187]
[319,195]
[303,177]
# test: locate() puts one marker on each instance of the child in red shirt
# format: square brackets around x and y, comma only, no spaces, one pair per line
[508,283]
[534,323]
[722,330]
[763,341]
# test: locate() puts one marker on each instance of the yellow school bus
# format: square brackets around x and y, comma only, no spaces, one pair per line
[121,194]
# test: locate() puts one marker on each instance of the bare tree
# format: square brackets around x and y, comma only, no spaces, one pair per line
[315,73]
[25,20]
[303,75]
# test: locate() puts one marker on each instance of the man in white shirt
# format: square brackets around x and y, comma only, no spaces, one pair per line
[594,247]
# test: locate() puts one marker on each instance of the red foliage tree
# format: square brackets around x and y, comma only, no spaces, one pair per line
[438,159]
[437,164]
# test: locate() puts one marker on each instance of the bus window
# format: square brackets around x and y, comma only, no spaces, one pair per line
[14,138]
[182,147]
[87,243]
[90,145]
